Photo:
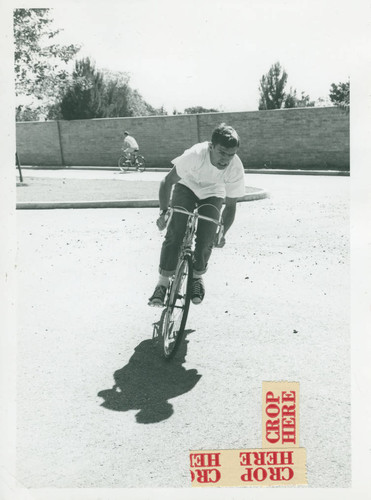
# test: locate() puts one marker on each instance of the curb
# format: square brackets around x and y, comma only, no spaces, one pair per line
[297,172]
[47,205]
[274,171]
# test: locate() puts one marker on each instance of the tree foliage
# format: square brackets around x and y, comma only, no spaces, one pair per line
[293,101]
[199,109]
[84,96]
[273,95]
[340,94]
[140,107]
[116,95]
[96,93]
[40,65]
[45,87]
[272,86]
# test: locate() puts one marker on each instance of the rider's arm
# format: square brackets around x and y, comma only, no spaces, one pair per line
[228,214]
[165,188]
[164,196]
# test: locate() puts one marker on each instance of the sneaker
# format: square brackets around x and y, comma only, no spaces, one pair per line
[158,296]
[198,291]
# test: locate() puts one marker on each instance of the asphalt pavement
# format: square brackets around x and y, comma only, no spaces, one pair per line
[98,407]
[65,188]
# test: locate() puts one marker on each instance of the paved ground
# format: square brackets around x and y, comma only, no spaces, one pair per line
[58,186]
[97,407]
[73,185]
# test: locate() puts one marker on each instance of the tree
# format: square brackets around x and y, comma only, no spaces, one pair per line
[199,109]
[120,99]
[340,95]
[139,107]
[323,102]
[96,93]
[161,111]
[116,94]
[84,97]
[40,66]
[293,101]
[272,87]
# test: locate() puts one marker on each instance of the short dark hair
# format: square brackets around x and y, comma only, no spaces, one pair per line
[126,132]
[226,136]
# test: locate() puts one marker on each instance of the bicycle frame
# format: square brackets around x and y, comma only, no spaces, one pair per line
[191,228]
[129,156]
[132,160]
[192,223]
[177,297]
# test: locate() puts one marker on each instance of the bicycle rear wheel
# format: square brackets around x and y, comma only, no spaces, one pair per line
[141,163]
[123,163]
[177,308]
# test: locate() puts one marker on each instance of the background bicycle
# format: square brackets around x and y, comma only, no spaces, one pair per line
[127,162]
[178,296]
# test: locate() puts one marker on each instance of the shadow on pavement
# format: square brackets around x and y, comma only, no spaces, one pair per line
[148,381]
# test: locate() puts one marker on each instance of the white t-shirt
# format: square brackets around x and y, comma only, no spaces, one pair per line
[130,142]
[204,179]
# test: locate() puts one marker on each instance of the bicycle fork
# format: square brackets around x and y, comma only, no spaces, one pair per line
[177,295]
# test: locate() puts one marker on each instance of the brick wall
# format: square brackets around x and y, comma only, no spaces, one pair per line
[316,138]
[38,143]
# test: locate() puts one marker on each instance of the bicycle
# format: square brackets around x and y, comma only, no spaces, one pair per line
[178,295]
[125,162]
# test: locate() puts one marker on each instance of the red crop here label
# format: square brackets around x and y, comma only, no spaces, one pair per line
[255,467]
[280,414]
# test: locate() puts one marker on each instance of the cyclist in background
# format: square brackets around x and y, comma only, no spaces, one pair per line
[205,174]
[130,147]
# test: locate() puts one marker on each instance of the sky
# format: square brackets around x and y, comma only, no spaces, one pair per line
[212,53]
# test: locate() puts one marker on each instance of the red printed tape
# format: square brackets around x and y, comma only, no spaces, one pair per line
[279,462]
[257,467]
[280,414]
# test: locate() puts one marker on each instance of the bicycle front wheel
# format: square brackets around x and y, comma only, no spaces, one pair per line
[123,163]
[177,308]
[141,163]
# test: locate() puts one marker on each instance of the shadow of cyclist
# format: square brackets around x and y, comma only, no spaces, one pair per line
[148,381]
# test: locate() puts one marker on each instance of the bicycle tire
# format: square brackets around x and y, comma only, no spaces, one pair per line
[141,163]
[123,163]
[176,312]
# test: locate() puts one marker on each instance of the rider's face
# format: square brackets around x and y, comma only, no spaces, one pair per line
[221,156]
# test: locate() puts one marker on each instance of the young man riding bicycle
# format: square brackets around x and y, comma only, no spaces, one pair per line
[206,174]
[130,147]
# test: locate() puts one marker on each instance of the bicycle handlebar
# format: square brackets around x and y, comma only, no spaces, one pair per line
[196,215]
[182,210]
